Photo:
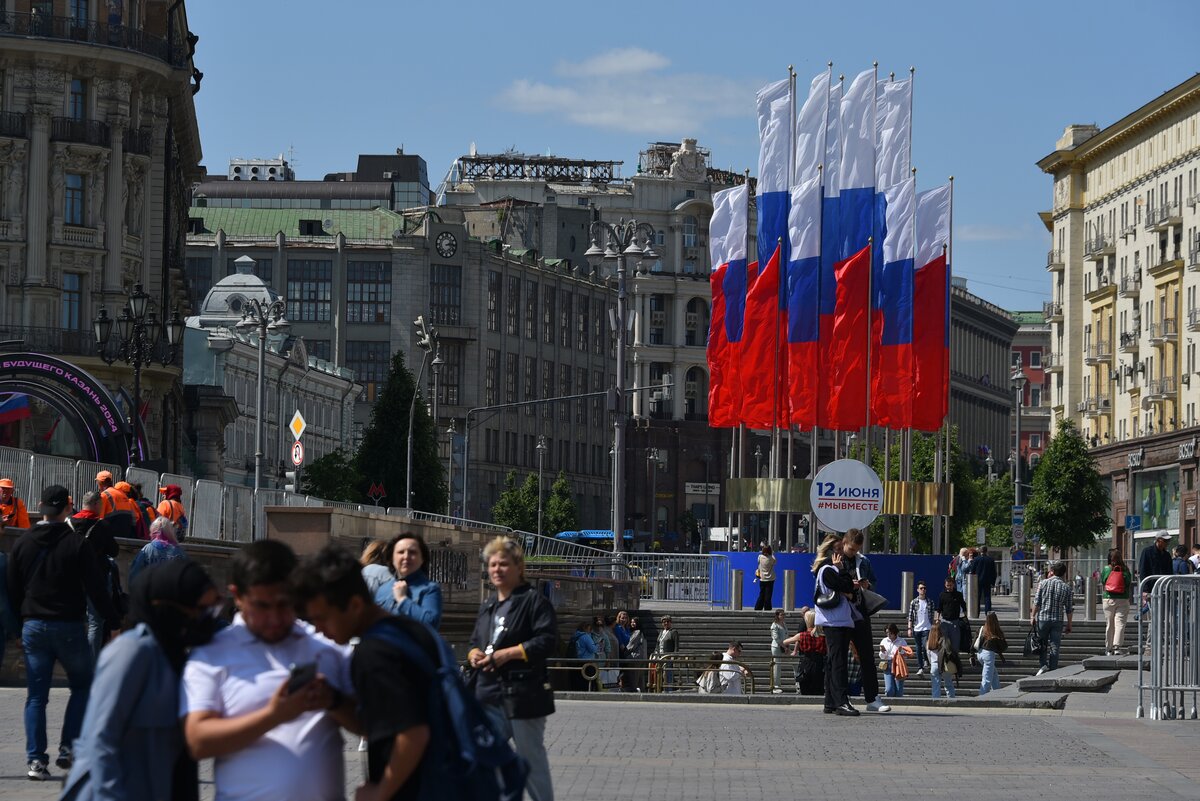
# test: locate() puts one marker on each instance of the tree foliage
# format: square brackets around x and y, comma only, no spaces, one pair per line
[1069,506]
[994,510]
[334,477]
[517,505]
[561,513]
[383,455]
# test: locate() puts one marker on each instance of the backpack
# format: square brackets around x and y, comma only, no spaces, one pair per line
[468,757]
[1115,583]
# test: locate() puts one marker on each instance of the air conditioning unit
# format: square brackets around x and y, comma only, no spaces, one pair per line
[658,319]
[1186,379]
[691,319]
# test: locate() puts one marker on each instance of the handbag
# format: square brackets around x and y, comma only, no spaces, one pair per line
[1033,643]
[830,599]
[871,602]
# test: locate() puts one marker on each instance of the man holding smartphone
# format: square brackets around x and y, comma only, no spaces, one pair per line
[267,696]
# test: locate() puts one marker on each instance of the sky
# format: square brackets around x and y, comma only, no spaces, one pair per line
[995,85]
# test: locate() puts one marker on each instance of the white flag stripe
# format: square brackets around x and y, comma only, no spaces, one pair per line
[774,133]
[933,224]
[857,169]
[893,127]
[804,220]
[810,129]
[833,141]
[901,205]
[727,228]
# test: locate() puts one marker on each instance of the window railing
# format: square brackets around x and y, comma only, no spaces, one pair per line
[138,141]
[88,132]
[12,123]
[69,29]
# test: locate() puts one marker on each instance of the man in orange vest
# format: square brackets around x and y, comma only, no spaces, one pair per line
[115,503]
[12,508]
[171,508]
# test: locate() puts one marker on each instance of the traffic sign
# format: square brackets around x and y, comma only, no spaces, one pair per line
[1133,523]
[846,494]
[297,453]
[297,425]
[1018,515]
[1018,535]
[980,535]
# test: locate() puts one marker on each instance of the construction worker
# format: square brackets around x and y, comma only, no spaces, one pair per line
[140,524]
[12,508]
[116,505]
[171,508]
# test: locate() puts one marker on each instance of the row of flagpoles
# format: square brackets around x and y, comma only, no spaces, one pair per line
[842,320]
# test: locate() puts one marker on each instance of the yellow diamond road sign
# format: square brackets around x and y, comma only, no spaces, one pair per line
[297,425]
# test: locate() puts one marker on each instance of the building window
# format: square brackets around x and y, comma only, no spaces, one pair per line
[582,323]
[368,360]
[581,385]
[199,277]
[263,268]
[531,301]
[450,388]
[445,293]
[72,301]
[79,13]
[512,316]
[1035,396]
[690,231]
[598,328]
[548,295]
[510,378]
[547,388]
[530,384]
[564,389]
[1035,359]
[368,292]
[77,100]
[564,325]
[73,199]
[491,372]
[318,348]
[309,289]
[495,293]
[1035,441]
[1016,358]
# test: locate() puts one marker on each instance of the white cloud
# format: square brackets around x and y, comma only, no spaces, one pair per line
[621,61]
[611,91]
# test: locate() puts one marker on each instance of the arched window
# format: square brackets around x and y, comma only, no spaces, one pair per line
[695,394]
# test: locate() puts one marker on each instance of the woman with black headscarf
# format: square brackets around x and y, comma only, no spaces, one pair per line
[131,747]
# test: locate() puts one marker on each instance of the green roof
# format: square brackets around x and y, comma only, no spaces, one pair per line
[1029,317]
[354,223]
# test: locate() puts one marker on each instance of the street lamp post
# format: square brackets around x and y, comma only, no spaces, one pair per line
[541,452]
[427,342]
[266,318]
[652,511]
[990,464]
[625,240]
[707,458]
[436,364]
[450,472]
[139,332]
[758,456]
[1018,384]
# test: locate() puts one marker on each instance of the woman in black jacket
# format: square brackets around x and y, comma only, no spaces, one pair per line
[514,634]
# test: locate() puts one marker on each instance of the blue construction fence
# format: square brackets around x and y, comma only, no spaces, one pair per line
[888,567]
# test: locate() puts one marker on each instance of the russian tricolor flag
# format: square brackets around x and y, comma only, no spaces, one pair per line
[727,248]
[804,306]
[15,407]
[931,310]
[892,312]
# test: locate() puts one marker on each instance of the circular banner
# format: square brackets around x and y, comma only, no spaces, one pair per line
[846,494]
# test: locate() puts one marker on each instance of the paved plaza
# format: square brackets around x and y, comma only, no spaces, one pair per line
[704,752]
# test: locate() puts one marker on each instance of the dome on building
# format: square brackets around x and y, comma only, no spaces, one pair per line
[225,302]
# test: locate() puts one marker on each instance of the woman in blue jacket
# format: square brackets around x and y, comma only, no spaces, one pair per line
[131,747]
[412,594]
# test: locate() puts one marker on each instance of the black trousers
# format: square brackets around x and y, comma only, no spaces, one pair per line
[837,650]
[765,590]
[865,644]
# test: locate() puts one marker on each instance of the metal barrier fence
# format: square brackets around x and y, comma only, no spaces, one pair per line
[47,470]
[1173,647]
[239,514]
[699,578]
[85,479]
[681,672]
[147,478]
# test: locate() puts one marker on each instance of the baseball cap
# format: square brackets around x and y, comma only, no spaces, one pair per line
[104,475]
[7,483]
[123,486]
[1162,535]
[54,499]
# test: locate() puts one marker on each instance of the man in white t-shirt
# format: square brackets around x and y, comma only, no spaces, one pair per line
[268,743]
[1195,558]
[920,621]
[731,672]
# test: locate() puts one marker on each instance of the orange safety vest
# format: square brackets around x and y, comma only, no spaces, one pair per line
[172,510]
[14,513]
[113,500]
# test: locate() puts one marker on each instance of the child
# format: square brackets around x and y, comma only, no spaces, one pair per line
[889,646]
[943,662]
[990,645]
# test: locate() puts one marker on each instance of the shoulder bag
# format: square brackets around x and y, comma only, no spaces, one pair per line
[824,598]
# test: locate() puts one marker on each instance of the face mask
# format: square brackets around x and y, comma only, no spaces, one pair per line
[198,631]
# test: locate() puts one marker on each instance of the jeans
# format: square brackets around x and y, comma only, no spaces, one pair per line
[837,646]
[938,678]
[985,598]
[1116,611]
[866,646]
[529,740]
[766,589]
[97,632]
[991,677]
[1050,632]
[892,686]
[44,642]
[951,630]
[922,658]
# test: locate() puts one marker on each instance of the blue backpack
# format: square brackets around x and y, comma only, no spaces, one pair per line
[468,757]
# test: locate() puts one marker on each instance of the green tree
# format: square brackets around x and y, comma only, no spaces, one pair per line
[1069,506]
[383,455]
[334,477]
[517,505]
[994,510]
[561,512]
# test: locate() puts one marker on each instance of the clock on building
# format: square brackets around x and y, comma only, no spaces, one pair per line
[446,244]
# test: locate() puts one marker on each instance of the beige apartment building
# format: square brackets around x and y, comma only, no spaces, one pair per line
[1125,316]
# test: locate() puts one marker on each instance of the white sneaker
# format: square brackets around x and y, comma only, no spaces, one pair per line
[921,671]
[37,771]
[878,706]
[1041,670]
[777,690]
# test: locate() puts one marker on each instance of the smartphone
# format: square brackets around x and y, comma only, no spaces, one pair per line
[300,675]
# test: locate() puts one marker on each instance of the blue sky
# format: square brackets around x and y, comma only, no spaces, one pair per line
[995,85]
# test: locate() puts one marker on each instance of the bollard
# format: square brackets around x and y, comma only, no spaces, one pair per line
[789,590]
[1023,596]
[660,588]
[907,593]
[736,600]
[969,590]
[1089,598]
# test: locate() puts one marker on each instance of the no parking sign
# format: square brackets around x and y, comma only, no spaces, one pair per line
[846,494]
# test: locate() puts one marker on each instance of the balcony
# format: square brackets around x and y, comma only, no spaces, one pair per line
[1052,362]
[1098,353]
[88,132]
[1104,289]
[1160,389]
[1167,263]
[1131,285]
[69,29]
[12,123]
[1193,319]
[1128,231]
[65,341]
[1086,407]
[1052,312]
[1166,330]
[1098,247]
[138,141]
[1193,200]
[1163,216]
[1129,341]
[1095,406]
[1054,261]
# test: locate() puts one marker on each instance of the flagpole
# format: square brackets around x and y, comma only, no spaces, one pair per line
[867,429]
[949,252]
